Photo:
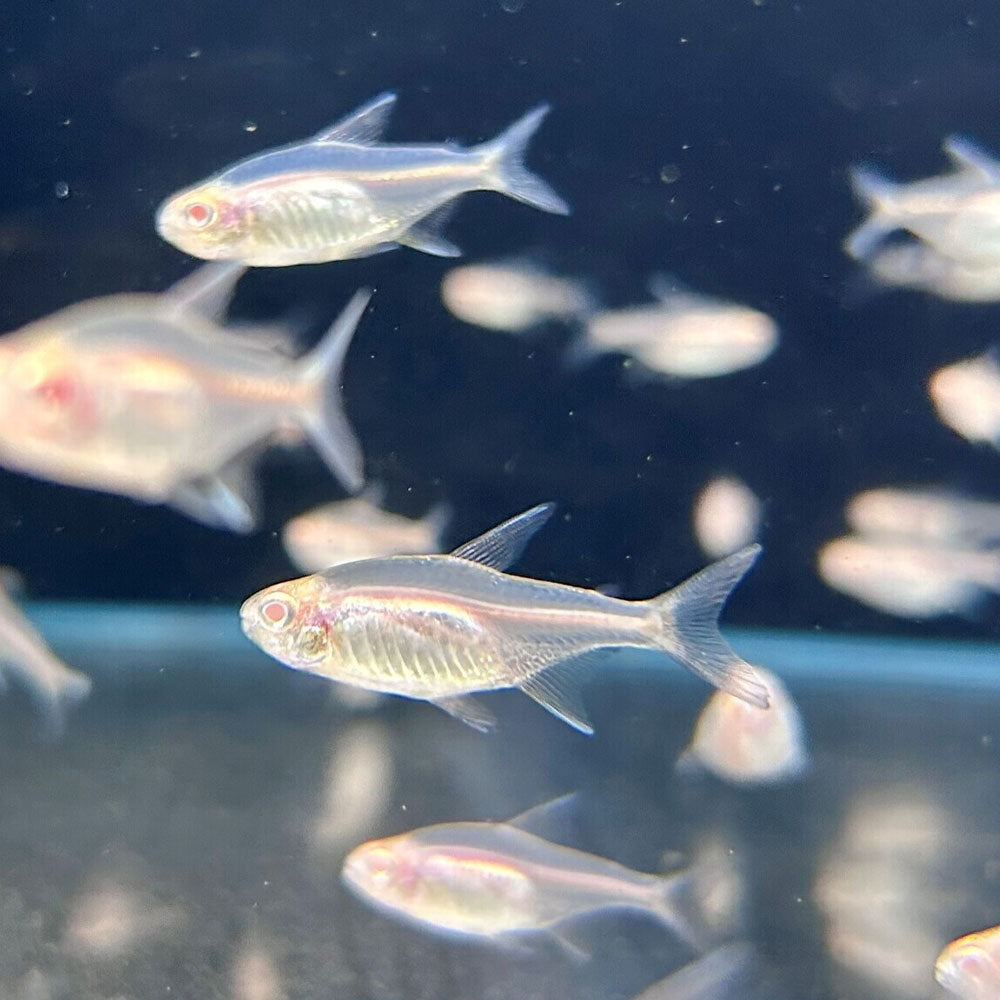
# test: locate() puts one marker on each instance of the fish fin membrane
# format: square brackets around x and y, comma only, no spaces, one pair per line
[364,125]
[967,155]
[501,546]
[73,688]
[323,417]
[877,193]
[208,290]
[227,500]
[469,710]
[690,620]
[426,234]
[506,172]
[558,690]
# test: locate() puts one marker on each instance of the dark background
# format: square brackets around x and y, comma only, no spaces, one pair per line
[761,108]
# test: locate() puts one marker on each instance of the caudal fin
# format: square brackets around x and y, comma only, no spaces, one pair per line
[878,194]
[690,619]
[503,158]
[322,415]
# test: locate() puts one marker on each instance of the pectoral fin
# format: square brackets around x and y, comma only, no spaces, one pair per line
[468,710]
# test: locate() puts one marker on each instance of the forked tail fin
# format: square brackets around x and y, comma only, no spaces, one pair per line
[689,615]
[878,195]
[322,415]
[503,158]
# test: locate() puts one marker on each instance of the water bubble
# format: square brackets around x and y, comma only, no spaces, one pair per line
[194,53]
[511,6]
[249,126]
[62,189]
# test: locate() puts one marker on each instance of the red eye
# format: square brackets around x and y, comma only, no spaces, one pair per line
[199,214]
[277,611]
[58,389]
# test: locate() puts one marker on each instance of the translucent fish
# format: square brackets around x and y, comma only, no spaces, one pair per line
[910,579]
[149,397]
[726,516]
[53,686]
[747,745]
[957,214]
[914,265]
[725,973]
[494,881]
[348,530]
[970,967]
[342,193]
[440,628]
[966,396]
[254,974]
[686,335]
[513,296]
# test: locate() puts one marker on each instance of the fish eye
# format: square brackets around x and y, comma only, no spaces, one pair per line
[381,865]
[199,215]
[277,611]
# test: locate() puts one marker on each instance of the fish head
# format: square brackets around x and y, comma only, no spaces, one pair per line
[967,968]
[288,622]
[381,870]
[205,221]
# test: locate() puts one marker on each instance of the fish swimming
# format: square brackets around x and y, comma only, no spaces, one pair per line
[149,397]
[969,968]
[725,973]
[343,194]
[957,214]
[726,516]
[496,880]
[441,627]
[966,397]
[920,267]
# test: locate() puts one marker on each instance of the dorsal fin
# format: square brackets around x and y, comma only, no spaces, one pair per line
[503,545]
[363,126]
[971,158]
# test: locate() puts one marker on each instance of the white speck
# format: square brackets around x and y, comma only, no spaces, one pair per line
[62,189]
[194,53]
[249,126]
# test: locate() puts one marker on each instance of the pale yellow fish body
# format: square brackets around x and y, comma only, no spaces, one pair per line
[917,266]
[966,396]
[970,967]
[440,628]
[726,516]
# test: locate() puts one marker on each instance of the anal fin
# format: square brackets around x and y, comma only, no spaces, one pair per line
[468,710]
[426,233]
[558,689]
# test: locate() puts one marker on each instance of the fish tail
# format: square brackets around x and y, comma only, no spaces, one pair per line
[503,159]
[878,194]
[68,691]
[689,619]
[322,415]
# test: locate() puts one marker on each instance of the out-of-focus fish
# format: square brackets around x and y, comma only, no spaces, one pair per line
[354,529]
[686,335]
[726,516]
[147,396]
[495,880]
[958,214]
[513,296]
[344,194]
[725,973]
[440,628]
[917,266]
[970,966]
[930,515]
[254,974]
[53,687]
[748,745]
[910,579]
[966,396]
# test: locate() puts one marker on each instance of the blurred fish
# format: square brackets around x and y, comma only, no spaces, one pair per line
[685,335]
[747,745]
[147,396]
[53,687]
[726,516]
[513,296]
[495,880]
[354,529]
[957,214]
[966,395]
[929,515]
[439,628]
[910,579]
[725,973]
[914,265]
[970,966]
[254,974]
[343,194]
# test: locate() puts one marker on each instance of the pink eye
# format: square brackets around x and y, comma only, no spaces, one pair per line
[59,389]
[199,214]
[276,612]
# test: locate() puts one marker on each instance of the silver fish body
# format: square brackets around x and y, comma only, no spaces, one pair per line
[442,627]
[342,194]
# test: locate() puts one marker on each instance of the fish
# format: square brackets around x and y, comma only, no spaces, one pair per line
[970,966]
[957,214]
[513,296]
[926,514]
[966,397]
[746,745]
[348,530]
[724,973]
[254,974]
[342,193]
[911,579]
[917,266]
[497,881]
[53,687]
[726,516]
[442,627]
[149,397]
[685,335]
